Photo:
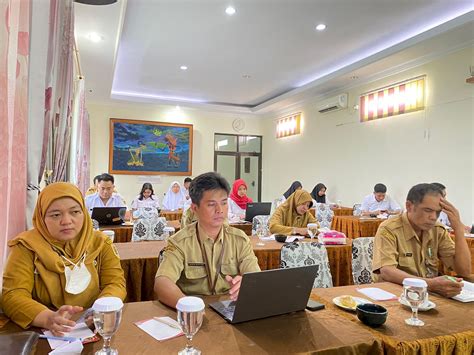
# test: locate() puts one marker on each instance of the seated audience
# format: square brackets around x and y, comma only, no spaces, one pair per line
[293,215]
[379,203]
[295,185]
[410,245]
[59,266]
[206,257]
[187,203]
[174,198]
[93,189]
[146,198]
[104,197]
[319,194]
[238,200]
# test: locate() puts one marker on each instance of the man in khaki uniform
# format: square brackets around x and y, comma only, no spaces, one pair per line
[410,245]
[206,257]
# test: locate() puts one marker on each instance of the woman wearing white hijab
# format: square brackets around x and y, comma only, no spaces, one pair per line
[174,198]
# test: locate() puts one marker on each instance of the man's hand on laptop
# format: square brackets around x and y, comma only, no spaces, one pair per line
[234,283]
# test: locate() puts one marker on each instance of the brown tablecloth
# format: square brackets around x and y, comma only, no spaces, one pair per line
[448,329]
[321,332]
[246,227]
[355,227]
[342,211]
[172,215]
[340,259]
[123,234]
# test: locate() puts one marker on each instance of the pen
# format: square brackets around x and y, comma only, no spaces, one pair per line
[52,337]
[168,323]
[453,279]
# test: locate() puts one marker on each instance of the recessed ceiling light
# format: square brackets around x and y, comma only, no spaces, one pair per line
[246,76]
[230,10]
[321,27]
[183,67]
[94,37]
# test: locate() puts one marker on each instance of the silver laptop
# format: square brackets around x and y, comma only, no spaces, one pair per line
[269,293]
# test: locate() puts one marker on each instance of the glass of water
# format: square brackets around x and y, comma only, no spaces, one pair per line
[415,292]
[312,230]
[107,317]
[190,315]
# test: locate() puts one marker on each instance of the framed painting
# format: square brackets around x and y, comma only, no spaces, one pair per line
[150,148]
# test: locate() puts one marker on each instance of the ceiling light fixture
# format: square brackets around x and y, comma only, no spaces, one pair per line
[321,27]
[183,67]
[95,37]
[230,10]
[246,76]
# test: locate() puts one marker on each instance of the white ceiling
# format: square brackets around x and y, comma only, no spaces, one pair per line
[273,41]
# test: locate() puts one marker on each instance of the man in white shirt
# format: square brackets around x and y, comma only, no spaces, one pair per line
[105,196]
[378,202]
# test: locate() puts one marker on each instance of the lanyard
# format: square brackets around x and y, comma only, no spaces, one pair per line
[212,285]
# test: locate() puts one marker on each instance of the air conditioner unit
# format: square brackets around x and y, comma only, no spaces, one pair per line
[334,103]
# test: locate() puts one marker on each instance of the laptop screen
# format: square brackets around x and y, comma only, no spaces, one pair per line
[256,209]
[109,215]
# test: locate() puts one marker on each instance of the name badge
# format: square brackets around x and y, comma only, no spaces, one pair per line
[196,264]
[408,254]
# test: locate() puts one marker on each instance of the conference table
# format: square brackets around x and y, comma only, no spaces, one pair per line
[448,329]
[139,261]
[172,215]
[338,211]
[123,233]
[356,226]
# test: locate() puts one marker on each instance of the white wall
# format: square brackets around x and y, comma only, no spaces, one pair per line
[435,144]
[205,125]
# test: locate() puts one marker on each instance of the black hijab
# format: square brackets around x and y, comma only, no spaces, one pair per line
[315,195]
[294,186]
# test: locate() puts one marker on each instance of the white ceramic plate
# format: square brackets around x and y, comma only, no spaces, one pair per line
[424,307]
[359,300]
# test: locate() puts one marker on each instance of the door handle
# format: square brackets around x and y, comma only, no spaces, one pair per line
[253,183]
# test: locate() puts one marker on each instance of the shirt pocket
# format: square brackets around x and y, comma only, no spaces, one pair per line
[195,272]
[229,269]
[406,262]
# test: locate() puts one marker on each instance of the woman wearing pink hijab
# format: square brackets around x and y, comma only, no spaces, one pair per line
[238,200]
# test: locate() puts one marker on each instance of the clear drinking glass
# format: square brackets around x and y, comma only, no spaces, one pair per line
[312,230]
[415,292]
[260,234]
[190,315]
[107,317]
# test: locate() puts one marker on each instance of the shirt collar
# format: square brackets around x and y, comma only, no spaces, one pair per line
[409,232]
[204,236]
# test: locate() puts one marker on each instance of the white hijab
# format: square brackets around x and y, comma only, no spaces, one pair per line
[173,201]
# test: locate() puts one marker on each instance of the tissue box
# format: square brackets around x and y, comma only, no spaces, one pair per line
[333,238]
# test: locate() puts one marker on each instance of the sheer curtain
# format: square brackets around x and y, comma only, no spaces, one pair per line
[14,57]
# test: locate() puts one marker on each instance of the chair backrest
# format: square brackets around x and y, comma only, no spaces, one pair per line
[149,229]
[301,254]
[324,215]
[261,222]
[145,212]
[357,209]
[277,202]
[95,224]
[362,253]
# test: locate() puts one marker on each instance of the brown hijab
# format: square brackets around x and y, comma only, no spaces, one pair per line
[48,249]
[290,214]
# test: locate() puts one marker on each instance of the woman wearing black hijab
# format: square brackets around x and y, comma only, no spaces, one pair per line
[319,193]
[295,185]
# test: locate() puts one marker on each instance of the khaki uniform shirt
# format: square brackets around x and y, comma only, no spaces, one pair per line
[183,262]
[397,244]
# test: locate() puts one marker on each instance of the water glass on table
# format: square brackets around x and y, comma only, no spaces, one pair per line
[190,315]
[312,230]
[107,316]
[415,292]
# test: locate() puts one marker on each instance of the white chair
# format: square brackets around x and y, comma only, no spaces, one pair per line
[149,229]
[261,221]
[362,253]
[302,254]
[277,202]
[324,215]
[357,209]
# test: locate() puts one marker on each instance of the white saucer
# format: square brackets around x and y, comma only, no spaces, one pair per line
[424,307]
[359,300]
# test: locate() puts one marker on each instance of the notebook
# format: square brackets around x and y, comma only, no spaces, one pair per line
[467,293]
[269,293]
[257,209]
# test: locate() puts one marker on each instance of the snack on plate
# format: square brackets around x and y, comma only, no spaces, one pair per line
[348,301]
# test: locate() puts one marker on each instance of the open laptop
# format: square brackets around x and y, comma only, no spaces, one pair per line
[107,216]
[257,208]
[269,293]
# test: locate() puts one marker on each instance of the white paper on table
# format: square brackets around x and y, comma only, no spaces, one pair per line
[158,330]
[377,294]
[467,293]
[80,331]
[267,239]
[292,238]
[72,348]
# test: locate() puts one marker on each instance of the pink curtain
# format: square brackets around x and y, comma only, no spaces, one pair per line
[14,47]
[59,90]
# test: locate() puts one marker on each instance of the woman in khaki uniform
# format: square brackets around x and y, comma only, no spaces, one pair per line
[293,215]
[59,266]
